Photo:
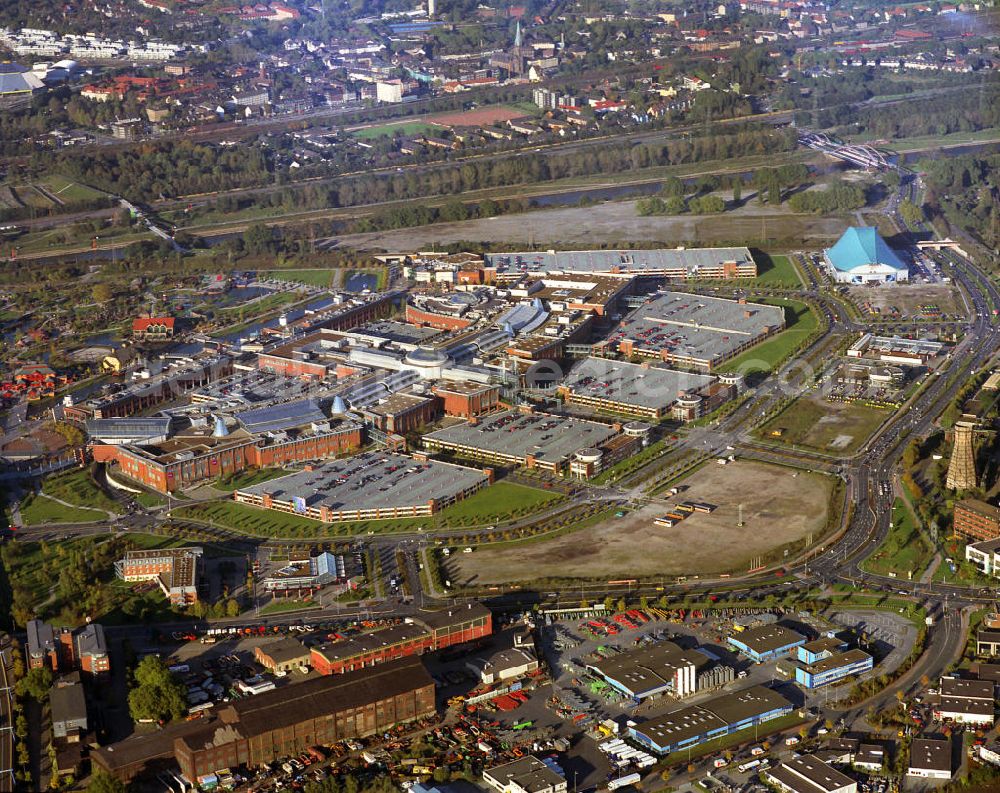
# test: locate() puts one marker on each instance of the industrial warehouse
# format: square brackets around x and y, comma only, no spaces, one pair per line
[893,349]
[424,632]
[259,729]
[368,486]
[721,715]
[833,669]
[693,330]
[651,392]
[766,642]
[652,671]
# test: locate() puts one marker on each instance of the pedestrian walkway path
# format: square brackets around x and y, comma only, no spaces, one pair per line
[928,574]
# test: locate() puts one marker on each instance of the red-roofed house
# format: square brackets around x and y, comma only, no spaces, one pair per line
[153,328]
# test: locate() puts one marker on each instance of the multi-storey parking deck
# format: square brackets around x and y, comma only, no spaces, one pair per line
[515,438]
[674,263]
[367,486]
[694,330]
[631,389]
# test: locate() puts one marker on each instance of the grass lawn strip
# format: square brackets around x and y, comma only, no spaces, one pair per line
[778,271]
[320,278]
[496,503]
[77,488]
[38,509]
[800,323]
[248,478]
[905,552]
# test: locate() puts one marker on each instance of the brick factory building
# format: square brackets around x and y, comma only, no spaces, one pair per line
[976,520]
[424,633]
[430,319]
[325,710]
[400,413]
[315,356]
[286,721]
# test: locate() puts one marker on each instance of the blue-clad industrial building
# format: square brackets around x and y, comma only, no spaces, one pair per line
[819,649]
[833,668]
[722,715]
[766,643]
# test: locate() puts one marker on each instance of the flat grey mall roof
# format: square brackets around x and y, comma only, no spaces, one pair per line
[596,261]
[631,383]
[364,482]
[547,437]
[393,331]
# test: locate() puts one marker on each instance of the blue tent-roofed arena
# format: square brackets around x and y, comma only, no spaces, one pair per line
[861,256]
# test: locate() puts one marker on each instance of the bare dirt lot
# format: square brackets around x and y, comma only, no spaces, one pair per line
[780,507]
[609,223]
[909,299]
[477,118]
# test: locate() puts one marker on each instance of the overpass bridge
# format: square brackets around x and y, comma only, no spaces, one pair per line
[140,214]
[866,157]
[942,245]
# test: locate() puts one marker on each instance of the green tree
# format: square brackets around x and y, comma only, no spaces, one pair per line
[103,782]
[157,694]
[53,766]
[258,238]
[911,213]
[672,187]
[675,205]
[774,193]
[102,292]
[35,684]
[442,774]
[707,205]
[650,206]
[232,608]
[453,210]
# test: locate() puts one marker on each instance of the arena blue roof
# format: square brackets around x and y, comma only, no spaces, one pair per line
[860,246]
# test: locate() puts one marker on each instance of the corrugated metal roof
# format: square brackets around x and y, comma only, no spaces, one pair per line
[19,82]
[126,427]
[294,704]
[281,417]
